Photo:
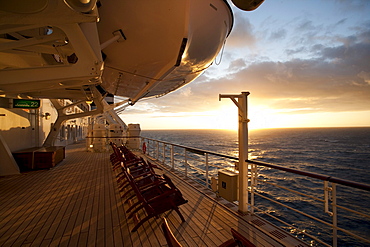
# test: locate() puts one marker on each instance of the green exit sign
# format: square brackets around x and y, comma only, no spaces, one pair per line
[26,103]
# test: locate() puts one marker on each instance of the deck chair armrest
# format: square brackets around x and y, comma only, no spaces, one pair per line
[170,238]
[229,243]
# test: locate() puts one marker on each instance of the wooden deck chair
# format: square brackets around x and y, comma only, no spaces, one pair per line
[153,186]
[173,242]
[154,202]
[116,156]
[240,240]
[170,238]
[143,183]
[139,172]
[122,154]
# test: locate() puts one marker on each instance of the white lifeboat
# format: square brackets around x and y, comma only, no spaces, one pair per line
[163,45]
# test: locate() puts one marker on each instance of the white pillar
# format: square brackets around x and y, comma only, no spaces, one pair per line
[242,104]
[243,153]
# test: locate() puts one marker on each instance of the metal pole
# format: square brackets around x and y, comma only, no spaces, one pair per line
[207,180]
[157,154]
[172,158]
[186,163]
[164,153]
[242,105]
[243,154]
[335,219]
[253,185]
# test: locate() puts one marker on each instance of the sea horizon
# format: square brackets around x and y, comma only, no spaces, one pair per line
[321,127]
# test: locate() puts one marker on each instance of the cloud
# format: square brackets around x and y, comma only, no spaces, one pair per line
[337,79]
[242,34]
[357,5]
[237,65]
[278,35]
[305,26]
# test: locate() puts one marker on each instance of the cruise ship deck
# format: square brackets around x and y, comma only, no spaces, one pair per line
[78,203]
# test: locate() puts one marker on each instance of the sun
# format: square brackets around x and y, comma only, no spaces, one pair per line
[260,117]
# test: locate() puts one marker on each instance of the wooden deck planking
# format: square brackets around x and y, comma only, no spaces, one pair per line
[32,213]
[214,214]
[200,215]
[77,203]
[10,210]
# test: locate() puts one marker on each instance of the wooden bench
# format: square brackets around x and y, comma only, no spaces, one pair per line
[39,157]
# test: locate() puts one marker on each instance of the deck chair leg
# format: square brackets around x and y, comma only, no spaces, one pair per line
[126,193]
[141,222]
[135,211]
[180,214]
[132,207]
[132,196]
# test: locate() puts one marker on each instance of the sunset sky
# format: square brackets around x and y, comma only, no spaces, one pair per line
[306,63]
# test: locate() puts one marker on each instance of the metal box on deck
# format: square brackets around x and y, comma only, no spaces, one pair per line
[228,185]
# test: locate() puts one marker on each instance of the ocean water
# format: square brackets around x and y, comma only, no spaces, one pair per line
[338,152]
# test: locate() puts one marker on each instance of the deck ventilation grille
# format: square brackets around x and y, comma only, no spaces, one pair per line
[278,234]
[258,222]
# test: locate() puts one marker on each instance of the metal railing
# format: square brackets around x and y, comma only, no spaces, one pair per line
[322,210]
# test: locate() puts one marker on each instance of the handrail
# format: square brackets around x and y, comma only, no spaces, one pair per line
[315,175]
[196,150]
[291,170]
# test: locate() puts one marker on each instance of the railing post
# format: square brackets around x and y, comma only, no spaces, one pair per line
[335,219]
[172,158]
[253,185]
[207,180]
[157,154]
[327,190]
[164,153]
[186,163]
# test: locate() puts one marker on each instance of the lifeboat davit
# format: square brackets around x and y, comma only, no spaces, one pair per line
[159,46]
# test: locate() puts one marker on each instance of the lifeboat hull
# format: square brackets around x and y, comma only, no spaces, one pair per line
[164,45]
